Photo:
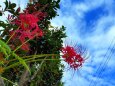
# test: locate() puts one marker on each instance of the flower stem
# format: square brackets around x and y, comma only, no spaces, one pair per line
[12,35]
[9,81]
[35,56]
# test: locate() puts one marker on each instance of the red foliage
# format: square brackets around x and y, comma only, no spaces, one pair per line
[70,56]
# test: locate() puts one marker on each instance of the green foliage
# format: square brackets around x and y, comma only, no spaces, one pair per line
[5,49]
[0,13]
[42,50]
[21,61]
[52,7]
[50,73]
[10,7]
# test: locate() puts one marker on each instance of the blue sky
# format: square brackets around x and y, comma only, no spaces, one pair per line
[92,24]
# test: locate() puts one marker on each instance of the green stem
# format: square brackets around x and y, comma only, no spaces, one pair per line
[42,55]
[35,56]
[41,59]
[8,80]
[38,56]
[12,36]
[21,45]
[13,65]
[34,75]
[18,63]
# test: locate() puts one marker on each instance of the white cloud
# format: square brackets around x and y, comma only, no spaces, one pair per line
[97,42]
[87,5]
[80,9]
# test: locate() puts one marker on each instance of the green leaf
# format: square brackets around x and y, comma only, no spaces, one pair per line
[6,3]
[0,13]
[5,48]
[2,43]
[13,5]
[8,80]
[21,61]
[11,11]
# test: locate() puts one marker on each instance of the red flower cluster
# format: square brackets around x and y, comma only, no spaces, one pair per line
[70,56]
[28,28]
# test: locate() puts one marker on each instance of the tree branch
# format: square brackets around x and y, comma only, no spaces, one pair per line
[38,70]
[1,82]
[24,77]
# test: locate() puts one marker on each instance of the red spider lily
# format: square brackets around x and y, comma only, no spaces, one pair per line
[28,28]
[70,56]
[26,21]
